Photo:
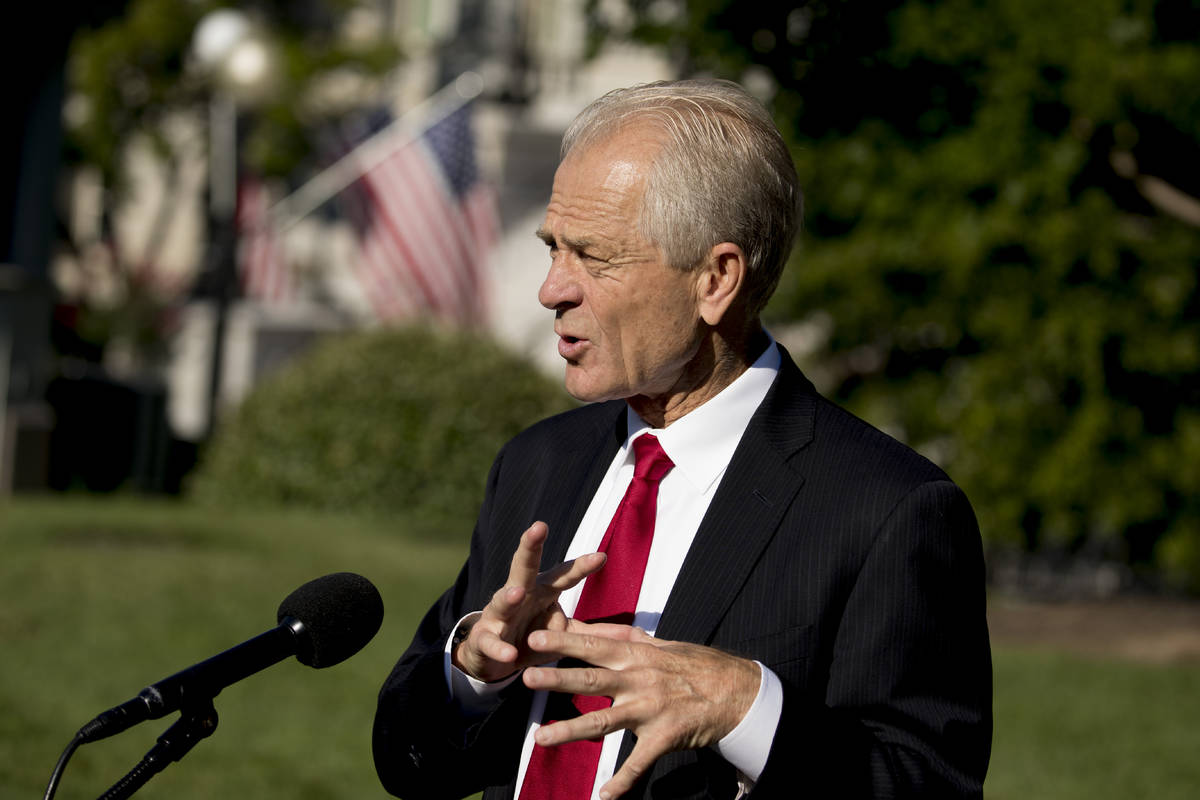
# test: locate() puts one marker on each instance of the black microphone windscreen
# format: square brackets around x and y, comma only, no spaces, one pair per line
[340,614]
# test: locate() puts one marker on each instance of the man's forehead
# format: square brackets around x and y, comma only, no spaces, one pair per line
[599,177]
[590,212]
[597,194]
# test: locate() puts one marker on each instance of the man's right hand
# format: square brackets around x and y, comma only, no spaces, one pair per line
[496,645]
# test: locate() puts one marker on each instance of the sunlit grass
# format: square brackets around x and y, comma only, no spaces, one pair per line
[1072,727]
[100,597]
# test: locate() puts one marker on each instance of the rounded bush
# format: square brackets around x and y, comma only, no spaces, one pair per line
[403,420]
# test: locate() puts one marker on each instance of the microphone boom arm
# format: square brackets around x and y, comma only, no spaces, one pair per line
[195,723]
[206,680]
[198,682]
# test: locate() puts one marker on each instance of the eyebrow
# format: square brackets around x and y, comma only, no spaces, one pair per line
[575,244]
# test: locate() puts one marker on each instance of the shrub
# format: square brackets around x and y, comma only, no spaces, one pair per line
[378,422]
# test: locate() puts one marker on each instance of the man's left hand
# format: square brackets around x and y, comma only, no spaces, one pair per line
[672,695]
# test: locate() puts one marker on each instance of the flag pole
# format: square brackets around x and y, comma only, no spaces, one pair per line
[375,150]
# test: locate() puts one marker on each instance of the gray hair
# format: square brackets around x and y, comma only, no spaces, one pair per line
[724,174]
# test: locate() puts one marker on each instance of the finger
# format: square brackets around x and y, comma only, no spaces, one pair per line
[593,725]
[641,758]
[527,560]
[640,636]
[505,602]
[490,646]
[592,681]
[569,573]
[608,630]
[598,650]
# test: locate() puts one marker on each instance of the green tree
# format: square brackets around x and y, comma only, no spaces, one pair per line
[1002,242]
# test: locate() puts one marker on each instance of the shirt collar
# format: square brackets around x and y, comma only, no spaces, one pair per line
[701,443]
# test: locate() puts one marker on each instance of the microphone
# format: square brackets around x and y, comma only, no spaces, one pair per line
[322,623]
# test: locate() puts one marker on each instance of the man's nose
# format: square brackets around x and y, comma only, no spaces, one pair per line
[561,287]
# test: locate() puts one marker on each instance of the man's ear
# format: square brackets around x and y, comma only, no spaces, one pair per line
[722,280]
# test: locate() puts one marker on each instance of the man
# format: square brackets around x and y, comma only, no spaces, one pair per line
[805,614]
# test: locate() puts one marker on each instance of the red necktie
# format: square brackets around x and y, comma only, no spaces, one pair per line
[567,771]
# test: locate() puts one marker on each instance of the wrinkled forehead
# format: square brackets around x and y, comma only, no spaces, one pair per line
[599,172]
[613,169]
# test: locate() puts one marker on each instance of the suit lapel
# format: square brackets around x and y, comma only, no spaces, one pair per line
[588,459]
[745,513]
[561,497]
[757,489]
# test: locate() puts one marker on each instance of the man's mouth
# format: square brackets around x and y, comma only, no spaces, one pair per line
[570,347]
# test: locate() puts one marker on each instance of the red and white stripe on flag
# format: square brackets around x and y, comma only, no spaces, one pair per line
[263,270]
[426,227]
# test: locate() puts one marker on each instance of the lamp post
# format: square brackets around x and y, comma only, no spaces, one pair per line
[234,57]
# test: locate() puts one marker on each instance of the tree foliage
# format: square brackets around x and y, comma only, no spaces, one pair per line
[1002,241]
[132,72]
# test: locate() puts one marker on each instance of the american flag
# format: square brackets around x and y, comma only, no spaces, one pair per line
[263,270]
[425,222]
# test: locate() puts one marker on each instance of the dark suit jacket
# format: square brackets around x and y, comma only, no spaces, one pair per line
[841,559]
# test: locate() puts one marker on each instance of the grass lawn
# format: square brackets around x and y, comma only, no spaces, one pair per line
[1070,727]
[100,597]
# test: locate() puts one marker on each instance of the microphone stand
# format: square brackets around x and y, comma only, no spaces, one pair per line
[196,722]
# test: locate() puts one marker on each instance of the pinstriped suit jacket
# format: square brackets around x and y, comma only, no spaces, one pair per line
[844,561]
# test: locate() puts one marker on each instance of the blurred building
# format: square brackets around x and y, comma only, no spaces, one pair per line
[530,55]
[29,152]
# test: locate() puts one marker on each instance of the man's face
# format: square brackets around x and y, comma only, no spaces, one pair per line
[628,323]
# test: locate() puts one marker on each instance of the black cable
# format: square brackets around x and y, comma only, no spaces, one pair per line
[56,776]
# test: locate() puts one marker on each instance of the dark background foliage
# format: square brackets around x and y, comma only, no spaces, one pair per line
[1002,241]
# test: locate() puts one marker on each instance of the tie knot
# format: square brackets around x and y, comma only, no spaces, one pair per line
[650,461]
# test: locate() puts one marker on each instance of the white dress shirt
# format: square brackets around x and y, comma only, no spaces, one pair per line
[701,445]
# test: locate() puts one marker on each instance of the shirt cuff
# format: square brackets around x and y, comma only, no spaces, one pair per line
[472,695]
[748,745]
